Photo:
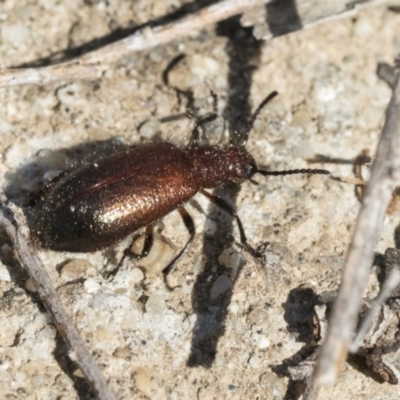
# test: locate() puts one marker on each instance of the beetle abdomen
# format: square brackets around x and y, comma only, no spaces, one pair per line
[101,203]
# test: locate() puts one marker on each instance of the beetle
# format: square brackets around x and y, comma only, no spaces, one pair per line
[100,203]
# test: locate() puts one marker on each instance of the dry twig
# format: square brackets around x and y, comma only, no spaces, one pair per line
[94,63]
[385,174]
[91,65]
[19,235]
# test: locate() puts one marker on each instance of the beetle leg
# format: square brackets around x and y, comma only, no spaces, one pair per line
[218,201]
[189,224]
[194,140]
[148,244]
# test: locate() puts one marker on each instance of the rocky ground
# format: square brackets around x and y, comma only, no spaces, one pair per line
[233,326]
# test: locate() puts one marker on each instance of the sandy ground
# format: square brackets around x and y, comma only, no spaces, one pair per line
[232,328]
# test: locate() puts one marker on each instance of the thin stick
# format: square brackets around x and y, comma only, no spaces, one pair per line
[19,235]
[92,64]
[385,174]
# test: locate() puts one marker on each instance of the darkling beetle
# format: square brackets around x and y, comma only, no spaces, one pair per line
[100,203]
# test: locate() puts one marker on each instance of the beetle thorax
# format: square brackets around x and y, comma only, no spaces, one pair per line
[214,166]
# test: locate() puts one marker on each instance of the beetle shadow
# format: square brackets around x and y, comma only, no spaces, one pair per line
[244,52]
[26,184]
[242,49]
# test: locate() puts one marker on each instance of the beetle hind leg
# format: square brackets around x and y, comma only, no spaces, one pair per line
[148,244]
[189,224]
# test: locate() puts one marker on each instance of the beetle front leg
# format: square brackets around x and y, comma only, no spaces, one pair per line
[218,201]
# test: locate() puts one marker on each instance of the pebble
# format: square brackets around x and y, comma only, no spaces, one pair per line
[220,286]
[155,304]
[230,258]
[263,342]
[4,274]
[122,352]
[159,257]
[254,362]
[275,387]
[78,373]
[48,332]
[75,269]
[29,286]
[104,334]
[144,382]
[257,316]
[150,128]
[136,275]
[91,285]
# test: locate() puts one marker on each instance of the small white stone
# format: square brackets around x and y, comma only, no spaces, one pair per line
[150,128]
[155,304]
[263,342]
[4,274]
[91,285]
[136,275]
[326,94]
[48,332]
[233,308]
[42,319]
[254,362]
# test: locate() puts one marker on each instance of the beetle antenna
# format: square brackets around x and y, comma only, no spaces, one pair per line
[295,171]
[258,110]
